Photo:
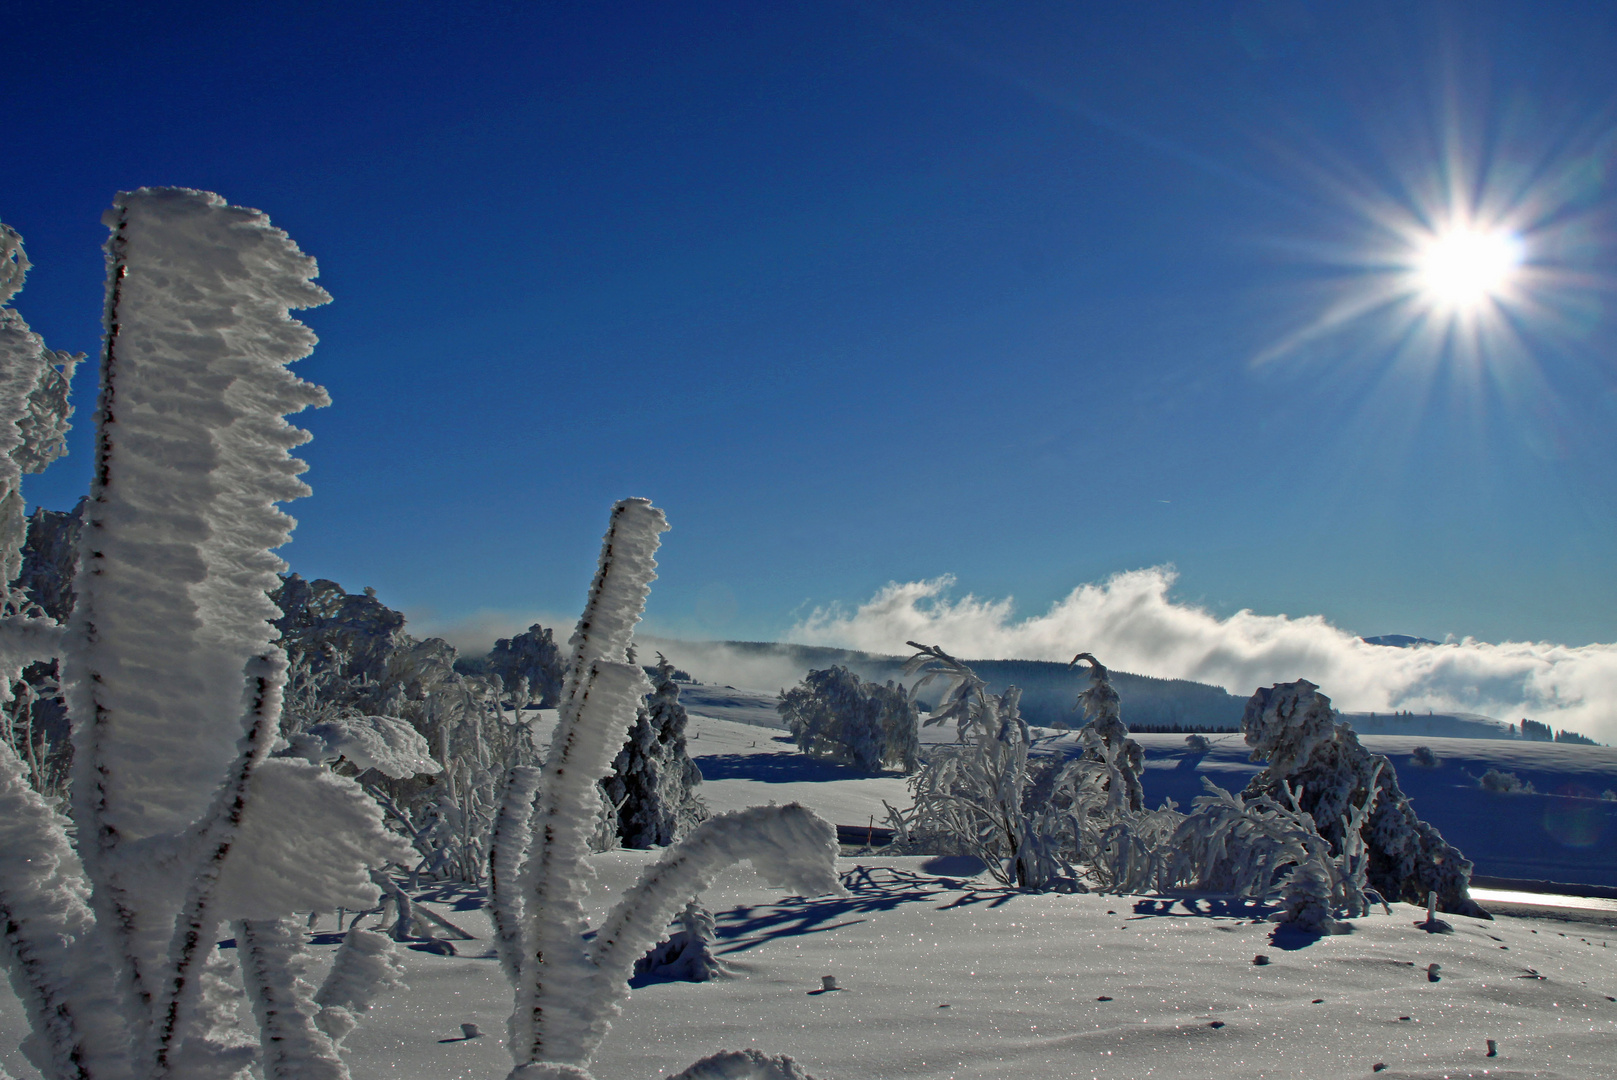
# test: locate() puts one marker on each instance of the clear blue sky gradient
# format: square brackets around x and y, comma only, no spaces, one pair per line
[878,291]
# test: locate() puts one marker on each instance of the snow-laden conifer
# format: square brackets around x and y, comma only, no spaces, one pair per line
[653,776]
[687,954]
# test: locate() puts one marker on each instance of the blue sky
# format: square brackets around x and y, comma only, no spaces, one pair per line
[874,292]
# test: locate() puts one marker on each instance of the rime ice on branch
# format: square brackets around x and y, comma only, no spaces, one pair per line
[567,989]
[172,677]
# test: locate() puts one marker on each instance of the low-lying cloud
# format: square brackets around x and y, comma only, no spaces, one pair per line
[1130,622]
[474,634]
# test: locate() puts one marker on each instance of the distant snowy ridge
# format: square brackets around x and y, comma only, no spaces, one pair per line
[1398,641]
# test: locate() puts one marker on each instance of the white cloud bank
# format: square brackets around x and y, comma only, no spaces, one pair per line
[1132,625]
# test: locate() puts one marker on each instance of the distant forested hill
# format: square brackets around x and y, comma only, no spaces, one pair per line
[1049,690]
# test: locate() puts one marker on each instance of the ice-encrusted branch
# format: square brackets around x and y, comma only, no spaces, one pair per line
[192,453]
[566,991]
[597,709]
[618,594]
[62,979]
[557,976]
[508,847]
[273,959]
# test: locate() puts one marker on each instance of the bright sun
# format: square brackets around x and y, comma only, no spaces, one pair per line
[1461,268]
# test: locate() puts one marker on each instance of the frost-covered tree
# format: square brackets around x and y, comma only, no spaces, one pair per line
[688,953]
[1293,730]
[834,714]
[172,677]
[533,656]
[568,985]
[653,777]
[1507,783]
[1106,737]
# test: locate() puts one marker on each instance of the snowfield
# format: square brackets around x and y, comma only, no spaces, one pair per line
[946,974]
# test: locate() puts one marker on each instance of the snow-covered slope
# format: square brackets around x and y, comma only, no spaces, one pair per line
[1565,832]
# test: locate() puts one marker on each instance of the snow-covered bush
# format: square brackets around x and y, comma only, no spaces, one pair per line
[1422,758]
[984,795]
[1292,729]
[651,788]
[834,714]
[567,985]
[1507,783]
[172,677]
[1197,744]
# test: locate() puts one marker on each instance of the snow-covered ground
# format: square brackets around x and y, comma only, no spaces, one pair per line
[946,974]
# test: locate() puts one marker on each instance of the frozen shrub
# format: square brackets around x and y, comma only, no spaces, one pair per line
[1291,727]
[1423,758]
[567,983]
[1197,744]
[172,675]
[834,714]
[1505,782]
